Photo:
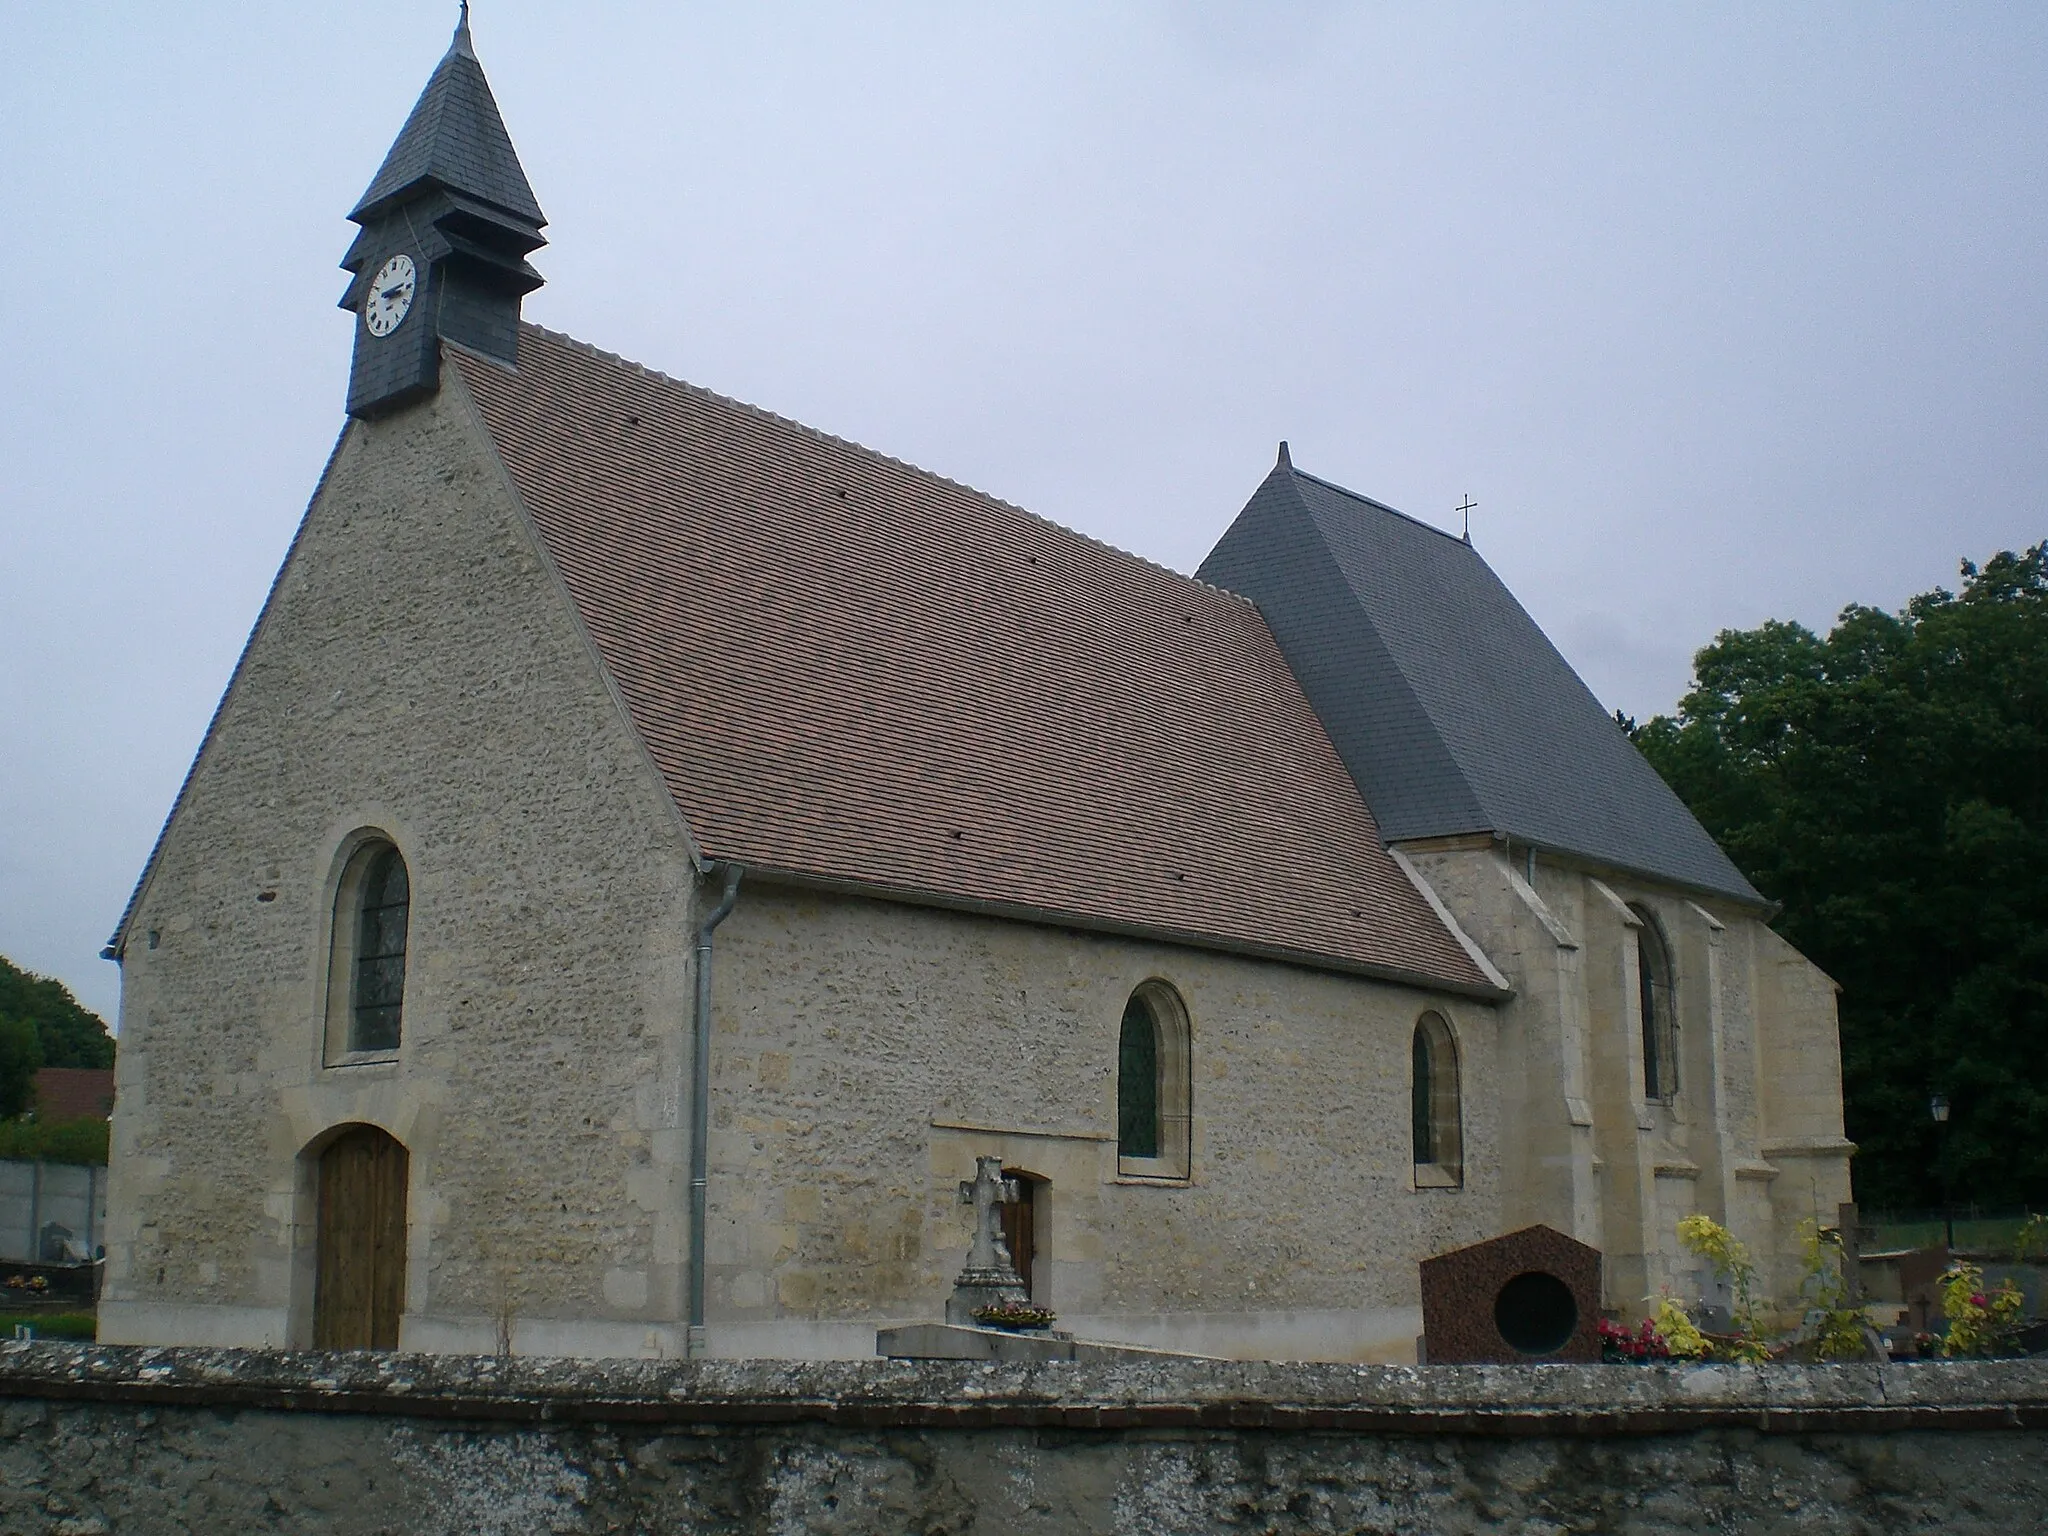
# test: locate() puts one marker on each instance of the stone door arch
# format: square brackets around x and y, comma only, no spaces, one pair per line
[359,1289]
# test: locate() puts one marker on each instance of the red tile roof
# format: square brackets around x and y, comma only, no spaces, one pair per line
[74,1093]
[853,671]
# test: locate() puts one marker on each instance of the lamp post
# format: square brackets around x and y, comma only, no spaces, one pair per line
[1937,1106]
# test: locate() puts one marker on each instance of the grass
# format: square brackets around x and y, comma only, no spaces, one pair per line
[1975,1235]
[51,1325]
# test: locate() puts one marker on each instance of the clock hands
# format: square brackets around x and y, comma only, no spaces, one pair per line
[390,296]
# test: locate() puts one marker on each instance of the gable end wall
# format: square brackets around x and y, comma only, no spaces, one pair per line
[418,671]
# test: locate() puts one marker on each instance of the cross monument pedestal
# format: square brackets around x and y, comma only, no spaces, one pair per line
[990,1275]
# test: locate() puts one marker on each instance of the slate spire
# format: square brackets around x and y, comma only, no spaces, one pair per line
[447,223]
[1453,711]
[455,139]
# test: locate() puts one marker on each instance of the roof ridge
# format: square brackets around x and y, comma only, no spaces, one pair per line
[874,453]
[1406,517]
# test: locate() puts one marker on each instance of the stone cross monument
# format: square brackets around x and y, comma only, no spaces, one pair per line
[989,1275]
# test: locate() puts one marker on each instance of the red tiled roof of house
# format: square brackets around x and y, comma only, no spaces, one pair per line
[853,671]
[74,1093]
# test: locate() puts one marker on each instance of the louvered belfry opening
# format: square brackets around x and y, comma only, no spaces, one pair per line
[360,1289]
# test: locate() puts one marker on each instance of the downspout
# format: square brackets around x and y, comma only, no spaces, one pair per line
[700,1102]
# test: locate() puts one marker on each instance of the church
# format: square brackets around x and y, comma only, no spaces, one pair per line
[649,850]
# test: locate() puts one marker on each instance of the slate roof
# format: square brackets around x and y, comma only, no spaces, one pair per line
[454,139]
[1452,709]
[854,671]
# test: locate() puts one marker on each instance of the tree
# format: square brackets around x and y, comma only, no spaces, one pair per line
[71,1035]
[42,1025]
[1888,783]
[21,1053]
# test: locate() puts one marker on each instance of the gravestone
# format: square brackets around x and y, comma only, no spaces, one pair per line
[1533,1295]
[989,1276]
[1920,1273]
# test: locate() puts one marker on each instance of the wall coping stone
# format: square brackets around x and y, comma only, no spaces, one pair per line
[1160,1393]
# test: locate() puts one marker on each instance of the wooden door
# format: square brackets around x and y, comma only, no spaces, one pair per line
[360,1292]
[1020,1226]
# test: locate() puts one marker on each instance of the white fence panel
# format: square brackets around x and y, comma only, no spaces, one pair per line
[51,1213]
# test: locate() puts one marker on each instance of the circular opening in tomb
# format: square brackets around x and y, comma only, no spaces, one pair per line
[1535,1313]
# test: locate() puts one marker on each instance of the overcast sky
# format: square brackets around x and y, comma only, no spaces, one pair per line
[1720,313]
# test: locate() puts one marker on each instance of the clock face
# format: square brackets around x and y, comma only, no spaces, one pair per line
[390,295]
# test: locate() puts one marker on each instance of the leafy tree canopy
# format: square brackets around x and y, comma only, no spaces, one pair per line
[43,1025]
[72,1036]
[20,1056]
[1889,784]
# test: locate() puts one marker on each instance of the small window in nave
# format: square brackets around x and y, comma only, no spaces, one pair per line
[1435,1113]
[1152,1085]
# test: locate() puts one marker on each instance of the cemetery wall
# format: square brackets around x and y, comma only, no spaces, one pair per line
[142,1441]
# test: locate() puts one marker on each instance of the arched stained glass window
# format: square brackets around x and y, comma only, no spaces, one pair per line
[1435,1113]
[1152,1085]
[1659,1016]
[366,966]
[1137,1082]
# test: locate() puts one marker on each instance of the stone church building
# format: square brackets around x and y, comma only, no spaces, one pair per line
[649,849]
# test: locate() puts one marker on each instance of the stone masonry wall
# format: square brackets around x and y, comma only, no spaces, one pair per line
[417,672]
[147,1443]
[1753,1136]
[865,1053]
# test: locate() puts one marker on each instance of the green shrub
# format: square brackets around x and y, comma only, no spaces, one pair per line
[54,1141]
[52,1325]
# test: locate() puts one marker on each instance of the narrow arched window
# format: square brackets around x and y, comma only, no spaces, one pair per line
[1659,1016]
[366,971]
[383,916]
[1152,1085]
[1137,1082]
[1435,1113]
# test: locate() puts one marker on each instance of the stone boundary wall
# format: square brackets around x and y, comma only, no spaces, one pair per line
[103,1440]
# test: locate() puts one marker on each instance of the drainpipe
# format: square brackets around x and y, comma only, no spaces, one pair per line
[700,1102]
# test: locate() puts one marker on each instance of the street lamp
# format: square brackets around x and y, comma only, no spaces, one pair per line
[1937,1106]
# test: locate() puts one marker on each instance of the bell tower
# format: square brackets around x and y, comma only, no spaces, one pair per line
[446,227]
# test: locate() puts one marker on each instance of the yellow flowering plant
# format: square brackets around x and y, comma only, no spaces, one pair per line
[2032,1242]
[1731,1261]
[1682,1340]
[1979,1322]
[1838,1329]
